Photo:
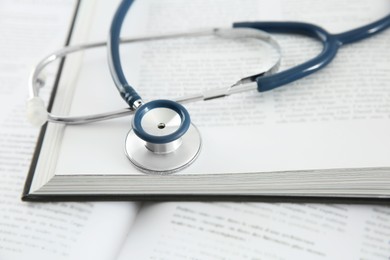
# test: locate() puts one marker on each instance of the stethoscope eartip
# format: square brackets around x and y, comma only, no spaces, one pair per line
[37,114]
[162,139]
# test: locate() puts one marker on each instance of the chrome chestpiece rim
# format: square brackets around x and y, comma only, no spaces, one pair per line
[162,139]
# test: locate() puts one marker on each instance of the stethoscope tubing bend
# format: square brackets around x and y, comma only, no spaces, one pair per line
[331,44]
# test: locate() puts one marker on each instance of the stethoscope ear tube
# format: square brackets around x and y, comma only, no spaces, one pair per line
[242,85]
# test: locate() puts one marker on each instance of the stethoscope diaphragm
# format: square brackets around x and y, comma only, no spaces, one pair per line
[162,139]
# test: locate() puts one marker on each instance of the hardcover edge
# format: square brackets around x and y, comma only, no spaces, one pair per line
[206,197]
[30,175]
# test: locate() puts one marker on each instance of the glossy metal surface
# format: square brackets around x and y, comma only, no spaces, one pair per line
[163,163]
[161,121]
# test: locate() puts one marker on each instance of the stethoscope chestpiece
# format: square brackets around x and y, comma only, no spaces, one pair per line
[162,139]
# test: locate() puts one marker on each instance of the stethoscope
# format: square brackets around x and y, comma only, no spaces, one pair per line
[162,138]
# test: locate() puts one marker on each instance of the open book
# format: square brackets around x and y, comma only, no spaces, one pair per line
[112,231]
[324,136]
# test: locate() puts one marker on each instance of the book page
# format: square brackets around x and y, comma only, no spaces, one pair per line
[31,29]
[259,231]
[333,119]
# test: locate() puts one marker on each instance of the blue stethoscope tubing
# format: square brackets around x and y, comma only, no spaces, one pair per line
[127,92]
[331,44]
